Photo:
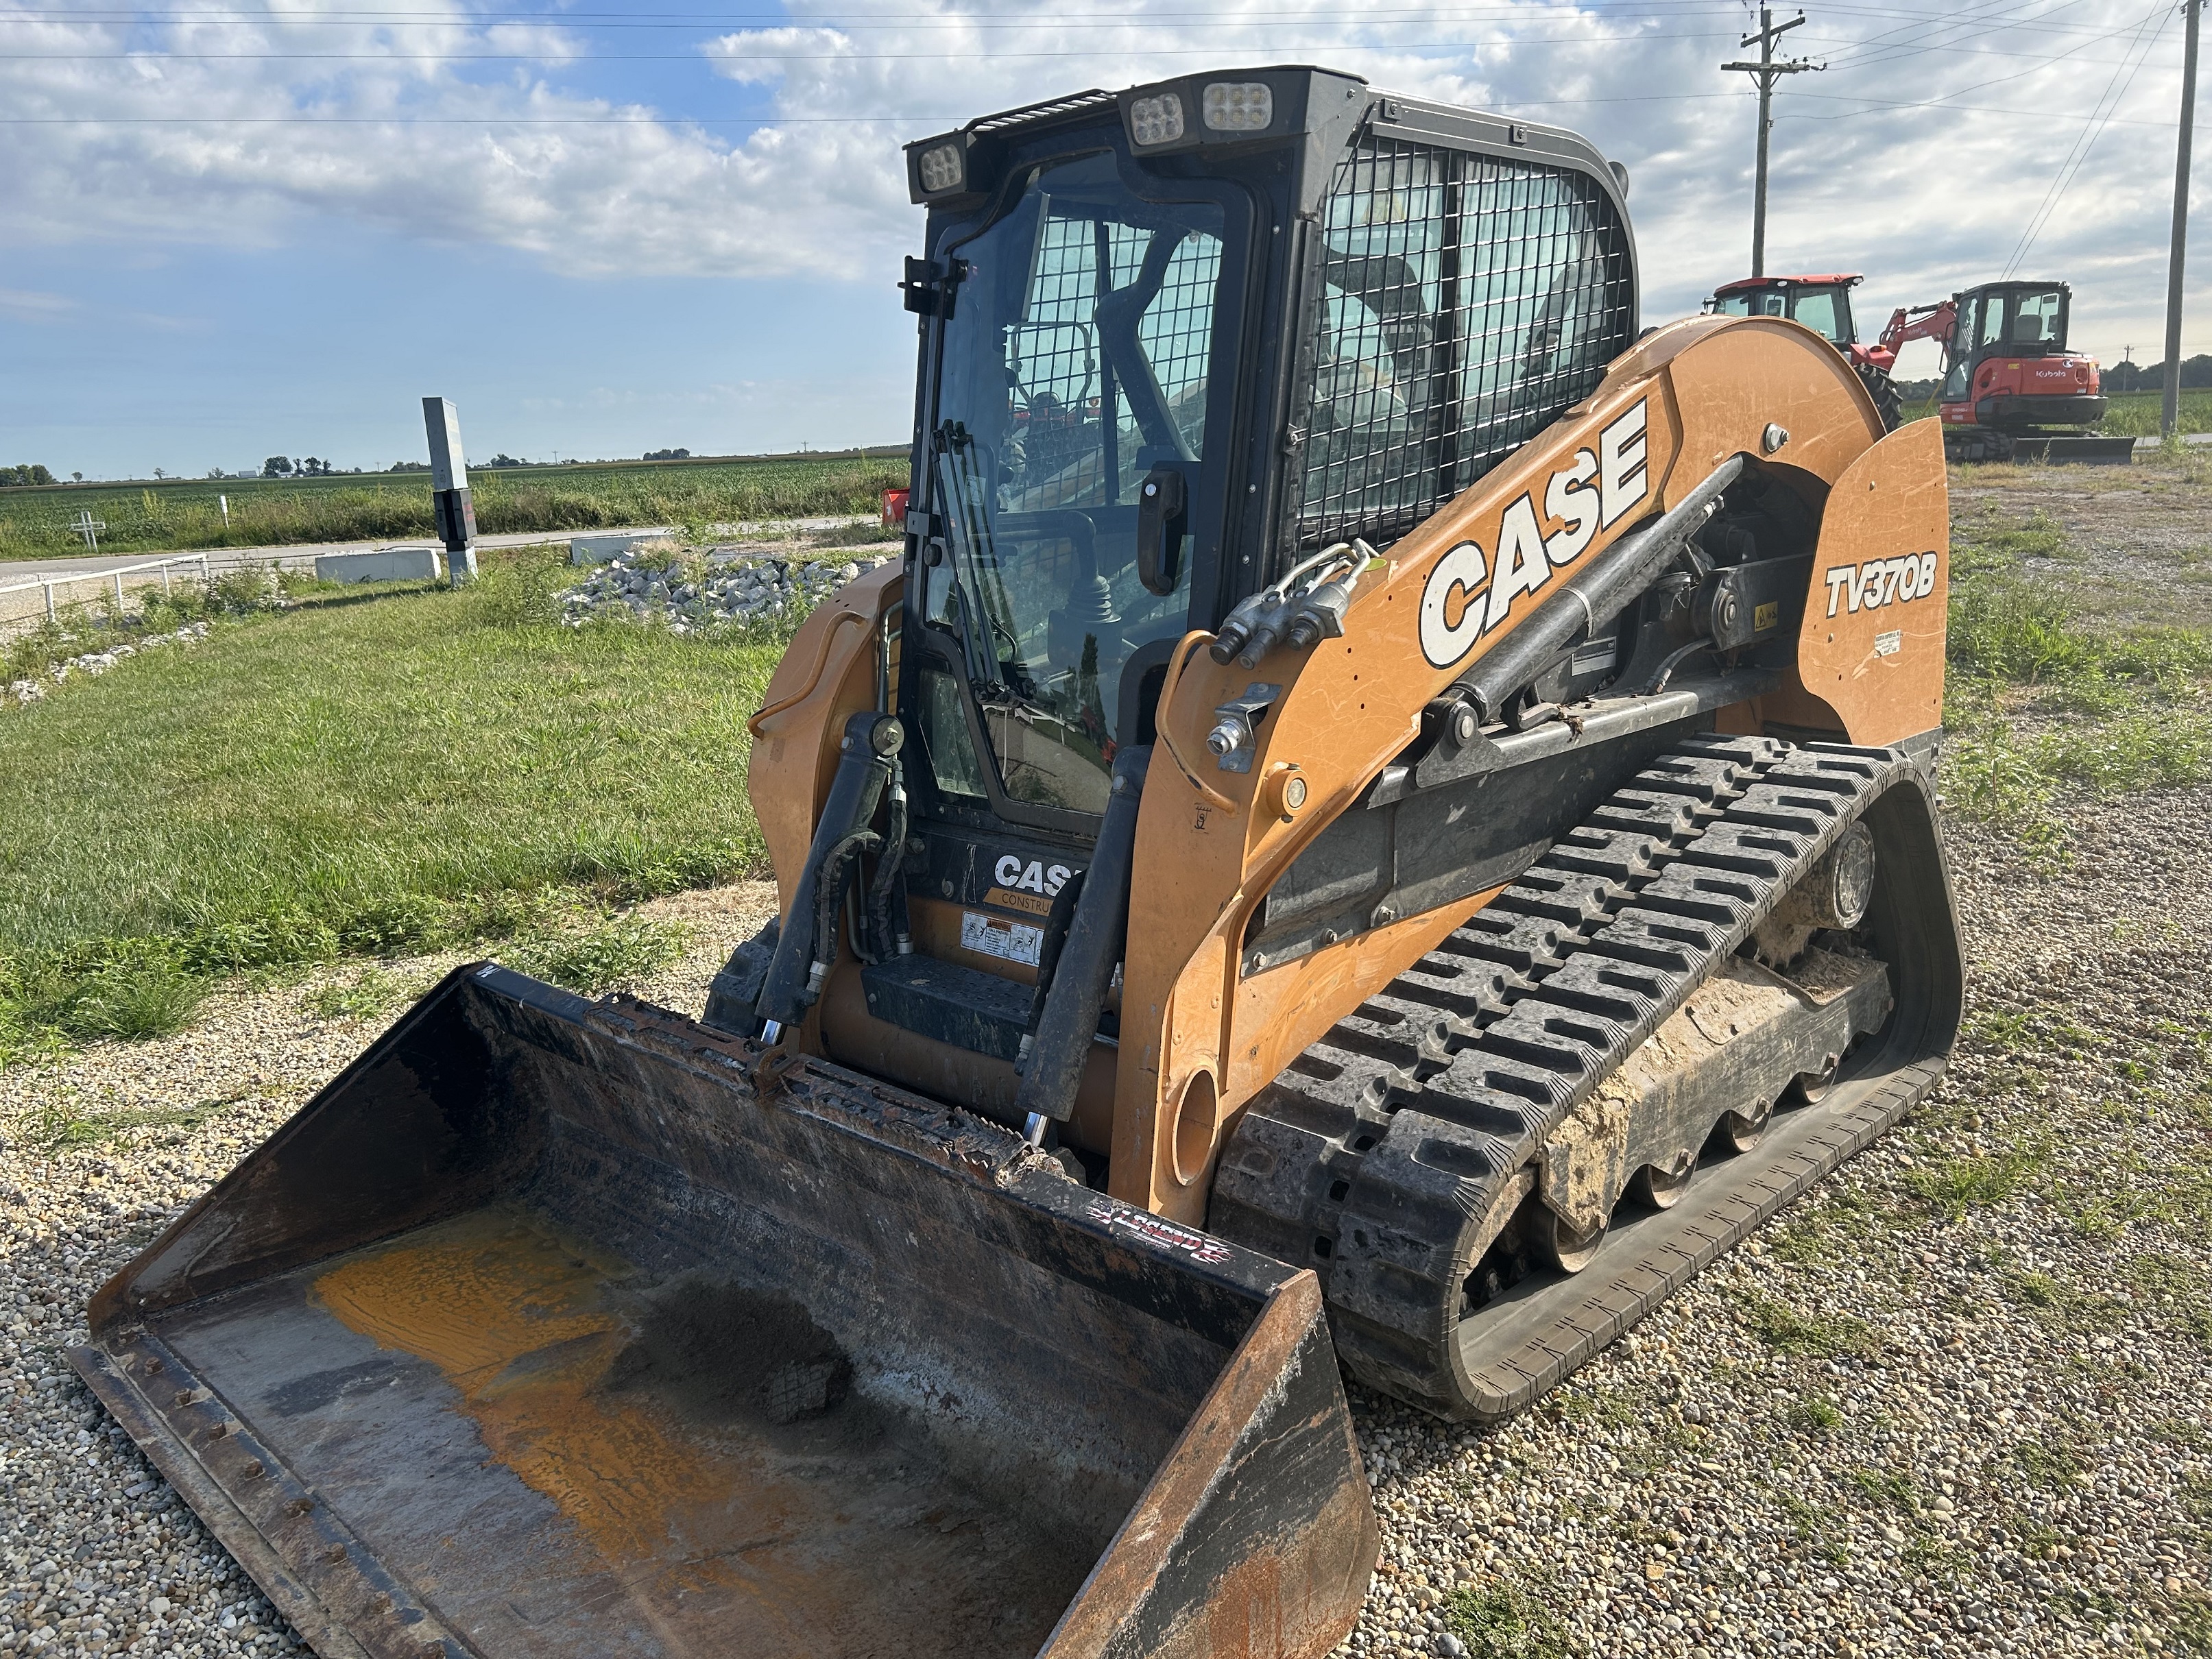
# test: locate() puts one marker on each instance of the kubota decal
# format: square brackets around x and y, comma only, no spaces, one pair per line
[1468,596]
[1879,582]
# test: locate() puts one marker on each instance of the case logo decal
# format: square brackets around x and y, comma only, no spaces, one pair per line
[1035,877]
[1879,582]
[1467,595]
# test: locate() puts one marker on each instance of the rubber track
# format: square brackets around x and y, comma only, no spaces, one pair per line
[1375,1156]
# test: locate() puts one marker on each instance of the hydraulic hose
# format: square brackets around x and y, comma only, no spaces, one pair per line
[1085,971]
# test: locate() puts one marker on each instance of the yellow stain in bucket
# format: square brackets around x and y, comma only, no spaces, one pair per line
[512,1316]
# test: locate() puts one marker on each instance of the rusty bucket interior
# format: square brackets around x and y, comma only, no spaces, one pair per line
[542,1330]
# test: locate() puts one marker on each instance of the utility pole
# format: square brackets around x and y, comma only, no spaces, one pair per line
[2170,420]
[1765,72]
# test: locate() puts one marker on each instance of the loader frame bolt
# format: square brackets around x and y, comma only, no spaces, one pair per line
[1774,437]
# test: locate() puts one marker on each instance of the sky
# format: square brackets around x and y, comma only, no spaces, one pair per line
[230,229]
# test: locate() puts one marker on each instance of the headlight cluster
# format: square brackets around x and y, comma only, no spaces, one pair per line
[1239,106]
[1156,121]
[940,169]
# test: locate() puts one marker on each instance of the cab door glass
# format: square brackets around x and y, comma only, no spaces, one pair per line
[2035,319]
[1816,309]
[1076,362]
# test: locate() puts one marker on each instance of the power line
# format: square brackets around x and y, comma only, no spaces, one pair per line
[2093,129]
[1999,80]
[364,17]
[942,120]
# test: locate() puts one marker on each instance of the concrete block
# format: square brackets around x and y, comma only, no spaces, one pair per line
[599,549]
[385,564]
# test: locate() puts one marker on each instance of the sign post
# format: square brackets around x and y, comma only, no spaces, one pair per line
[454,514]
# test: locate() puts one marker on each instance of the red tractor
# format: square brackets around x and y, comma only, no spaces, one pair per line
[1823,304]
[2010,385]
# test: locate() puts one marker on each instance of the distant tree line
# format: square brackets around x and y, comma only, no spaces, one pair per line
[667,454]
[25,475]
[2195,372]
[308,466]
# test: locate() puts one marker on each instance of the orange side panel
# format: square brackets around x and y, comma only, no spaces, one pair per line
[829,672]
[1211,842]
[1871,647]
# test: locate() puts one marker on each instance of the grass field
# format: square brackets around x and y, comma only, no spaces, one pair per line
[360,777]
[375,775]
[2137,413]
[2130,414]
[267,512]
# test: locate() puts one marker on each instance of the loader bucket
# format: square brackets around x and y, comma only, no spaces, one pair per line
[542,1330]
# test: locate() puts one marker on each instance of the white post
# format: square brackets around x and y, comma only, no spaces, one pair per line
[224,502]
[49,583]
[118,573]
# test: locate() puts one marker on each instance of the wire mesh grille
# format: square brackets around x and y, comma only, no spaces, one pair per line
[1466,301]
[1078,427]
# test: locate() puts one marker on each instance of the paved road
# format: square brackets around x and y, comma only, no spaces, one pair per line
[229,558]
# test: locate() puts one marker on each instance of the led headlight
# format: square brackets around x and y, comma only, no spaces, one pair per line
[941,168]
[1157,119]
[1239,106]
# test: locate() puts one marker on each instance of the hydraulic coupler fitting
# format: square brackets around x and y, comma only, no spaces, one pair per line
[1238,626]
[1320,615]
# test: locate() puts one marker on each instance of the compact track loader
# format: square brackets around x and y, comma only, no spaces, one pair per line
[1383,818]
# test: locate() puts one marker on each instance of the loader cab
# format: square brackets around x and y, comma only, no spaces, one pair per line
[1171,341]
[1175,338]
[1823,304]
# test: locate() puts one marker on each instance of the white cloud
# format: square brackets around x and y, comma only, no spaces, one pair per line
[412,132]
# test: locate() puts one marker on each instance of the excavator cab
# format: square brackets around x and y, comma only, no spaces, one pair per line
[2012,385]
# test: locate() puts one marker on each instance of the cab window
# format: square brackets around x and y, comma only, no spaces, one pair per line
[1817,309]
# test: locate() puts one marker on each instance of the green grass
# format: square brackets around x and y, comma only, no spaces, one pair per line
[2139,414]
[267,512]
[1952,1186]
[2043,695]
[599,956]
[1785,1330]
[365,776]
[2127,414]
[58,1127]
[1502,1620]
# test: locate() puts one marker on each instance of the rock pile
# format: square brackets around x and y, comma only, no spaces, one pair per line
[740,590]
[99,662]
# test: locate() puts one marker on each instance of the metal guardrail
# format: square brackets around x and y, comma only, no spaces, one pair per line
[49,583]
